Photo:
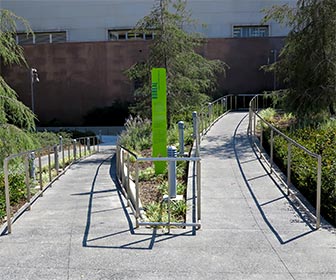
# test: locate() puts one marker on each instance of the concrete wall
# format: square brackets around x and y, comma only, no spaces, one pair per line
[78,77]
[89,20]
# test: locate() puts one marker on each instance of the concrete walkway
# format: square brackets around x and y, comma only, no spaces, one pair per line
[81,229]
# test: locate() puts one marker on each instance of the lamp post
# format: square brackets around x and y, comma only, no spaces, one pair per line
[33,79]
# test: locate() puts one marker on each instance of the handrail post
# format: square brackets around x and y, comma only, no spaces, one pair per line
[318,192]
[123,168]
[261,139]
[61,150]
[56,158]
[84,144]
[137,197]
[40,172]
[196,132]
[31,159]
[272,144]
[199,191]
[128,180]
[74,141]
[80,148]
[181,137]
[7,197]
[49,164]
[254,123]
[69,156]
[250,121]
[209,113]
[27,179]
[289,161]
[118,161]
[88,144]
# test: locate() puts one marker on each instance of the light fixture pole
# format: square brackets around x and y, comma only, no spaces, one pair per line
[33,79]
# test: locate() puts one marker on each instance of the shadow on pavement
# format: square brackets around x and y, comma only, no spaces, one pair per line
[239,151]
[143,240]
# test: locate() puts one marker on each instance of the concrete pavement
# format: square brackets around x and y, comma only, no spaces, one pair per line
[81,229]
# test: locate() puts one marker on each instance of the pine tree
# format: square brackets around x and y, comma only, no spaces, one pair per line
[190,77]
[307,63]
[11,109]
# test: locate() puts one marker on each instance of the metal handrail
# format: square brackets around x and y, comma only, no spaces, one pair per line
[202,122]
[131,188]
[253,116]
[44,154]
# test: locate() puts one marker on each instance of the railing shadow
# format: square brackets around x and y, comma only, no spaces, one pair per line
[146,238]
[241,161]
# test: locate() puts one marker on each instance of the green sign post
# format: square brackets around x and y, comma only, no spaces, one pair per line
[159,117]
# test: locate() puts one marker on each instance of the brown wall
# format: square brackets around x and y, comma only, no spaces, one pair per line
[78,77]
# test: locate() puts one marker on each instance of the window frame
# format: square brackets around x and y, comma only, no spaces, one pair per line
[250,28]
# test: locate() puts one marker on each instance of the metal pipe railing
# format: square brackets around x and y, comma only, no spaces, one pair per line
[43,161]
[123,168]
[255,118]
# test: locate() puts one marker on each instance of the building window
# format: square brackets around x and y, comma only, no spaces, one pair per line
[245,31]
[41,38]
[127,34]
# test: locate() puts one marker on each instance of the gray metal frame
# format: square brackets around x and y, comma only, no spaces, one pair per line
[254,118]
[43,159]
[133,198]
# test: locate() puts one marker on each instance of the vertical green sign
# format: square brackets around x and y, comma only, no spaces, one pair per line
[159,117]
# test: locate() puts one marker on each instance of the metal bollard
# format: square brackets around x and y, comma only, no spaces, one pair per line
[74,141]
[172,152]
[196,135]
[88,143]
[181,137]
[32,166]
[210,113]
[56,159]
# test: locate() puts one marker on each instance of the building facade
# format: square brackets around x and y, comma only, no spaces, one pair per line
[102,20]
[82,49]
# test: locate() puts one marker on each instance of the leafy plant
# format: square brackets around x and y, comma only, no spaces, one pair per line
[307,63]
[137,134]
[319,140]
[11,109]
[146,174]
[190,77]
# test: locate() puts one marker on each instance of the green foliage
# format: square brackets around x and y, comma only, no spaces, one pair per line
[146,174]
[158,211]
[17,191]
[180,188]
[137,134]
[268,115]
[320,140]
[11,109]
[13,140]
[190,77]
[307,63]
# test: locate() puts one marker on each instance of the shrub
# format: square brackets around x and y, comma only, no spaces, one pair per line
[137,134]
[17,191]
[320,140]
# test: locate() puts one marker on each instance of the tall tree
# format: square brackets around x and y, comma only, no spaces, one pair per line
[11,109]
[190,77]
[307,63]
